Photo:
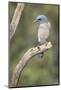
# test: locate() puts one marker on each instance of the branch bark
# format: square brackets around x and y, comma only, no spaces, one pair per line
[16,18]
[25,59]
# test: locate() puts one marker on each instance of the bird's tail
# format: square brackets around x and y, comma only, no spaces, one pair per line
[40,55]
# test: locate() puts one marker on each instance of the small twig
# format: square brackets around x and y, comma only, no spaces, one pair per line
[16,18]
[25,59]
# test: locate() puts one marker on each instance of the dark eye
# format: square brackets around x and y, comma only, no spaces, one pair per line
[39,19]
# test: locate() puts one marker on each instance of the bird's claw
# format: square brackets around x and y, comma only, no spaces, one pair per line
[46,43]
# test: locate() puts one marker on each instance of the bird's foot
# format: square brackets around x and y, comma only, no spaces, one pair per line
[46,43]
[38,47]
[39,43]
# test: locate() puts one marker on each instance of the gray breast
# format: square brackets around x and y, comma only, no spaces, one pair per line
[43,32]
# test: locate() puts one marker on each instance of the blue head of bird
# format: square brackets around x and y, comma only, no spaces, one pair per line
[41,19]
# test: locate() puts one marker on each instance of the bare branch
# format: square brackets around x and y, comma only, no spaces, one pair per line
[25,59]
[16,18]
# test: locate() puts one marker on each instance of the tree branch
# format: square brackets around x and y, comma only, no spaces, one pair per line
[25,59]
[16,18]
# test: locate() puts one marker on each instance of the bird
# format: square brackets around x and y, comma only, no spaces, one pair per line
[43,30]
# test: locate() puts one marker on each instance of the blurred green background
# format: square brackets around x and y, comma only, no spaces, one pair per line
[38,71]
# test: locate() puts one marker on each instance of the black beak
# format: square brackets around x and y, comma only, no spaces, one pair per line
[35,21]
